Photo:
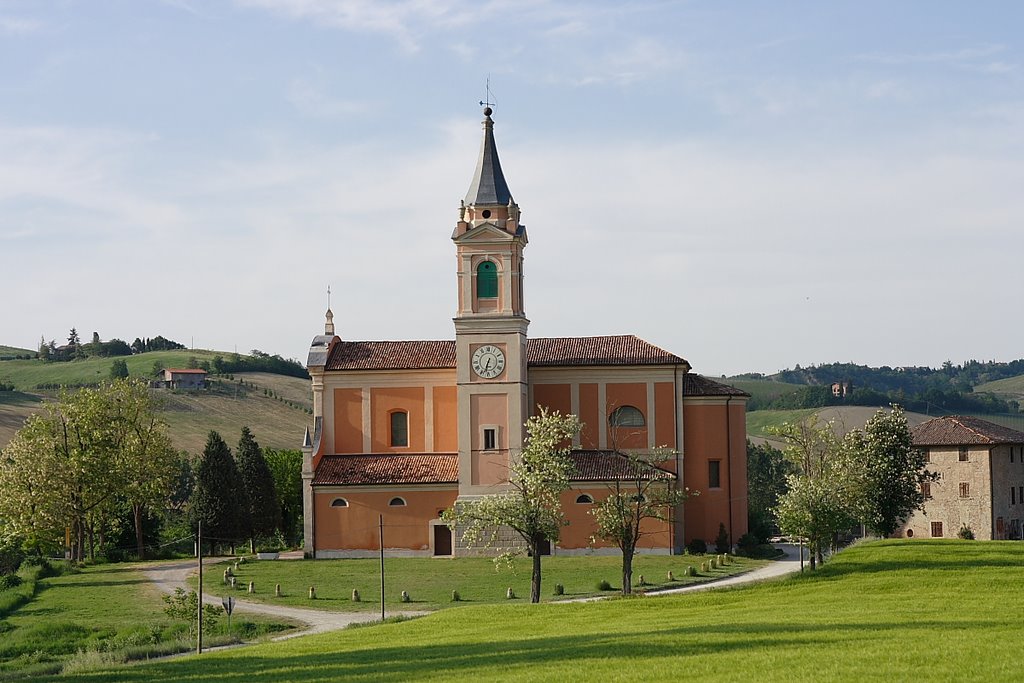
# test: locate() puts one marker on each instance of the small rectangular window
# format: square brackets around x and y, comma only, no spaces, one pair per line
[926,489]
[490,439]
[1013,497]
[399,429]
[963,454]
[927,455]
[965,489]
[1011,453]
[936,529]
[714,474]
[1020,493]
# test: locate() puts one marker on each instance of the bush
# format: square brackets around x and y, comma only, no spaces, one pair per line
[697,546]
[559,589]
[603,585]
[965,533]
[722,539]
[748,543]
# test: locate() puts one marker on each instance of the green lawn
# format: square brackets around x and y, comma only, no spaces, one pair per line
[105,612]
[6,351]
[1010,387]
[763,389]
[430,581]
[923,610]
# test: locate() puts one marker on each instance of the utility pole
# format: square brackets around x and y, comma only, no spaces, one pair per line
[199,600]
[382,567]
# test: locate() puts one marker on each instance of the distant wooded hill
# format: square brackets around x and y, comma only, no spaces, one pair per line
[986,387]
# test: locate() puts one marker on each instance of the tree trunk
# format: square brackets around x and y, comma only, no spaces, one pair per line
[535,578]
[252,545]
[627,571]
[812,547]
[92,542]
[140,547]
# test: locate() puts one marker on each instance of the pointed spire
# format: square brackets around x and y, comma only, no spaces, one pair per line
[307,441]
[488,186]
[329,323]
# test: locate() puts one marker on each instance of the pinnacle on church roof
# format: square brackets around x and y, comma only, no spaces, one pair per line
[488,186]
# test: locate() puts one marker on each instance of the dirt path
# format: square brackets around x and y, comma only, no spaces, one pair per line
[171,575]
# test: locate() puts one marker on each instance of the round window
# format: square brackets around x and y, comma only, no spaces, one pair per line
[910,533]
[486,213]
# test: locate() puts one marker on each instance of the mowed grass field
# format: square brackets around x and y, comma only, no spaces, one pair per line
[921,610]
[430,581]
[1009,388]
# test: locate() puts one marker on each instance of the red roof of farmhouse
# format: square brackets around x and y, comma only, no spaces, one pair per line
[958,430]
[552,352]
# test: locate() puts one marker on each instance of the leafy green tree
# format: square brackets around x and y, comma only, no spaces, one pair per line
[286,469]
[158,368]
[218,499]
[74,343]
[71,465]
[44,350]
[531,506]
[264,512]
[820,499]
[887,471]
[118,369]
[767,469]
[647,494]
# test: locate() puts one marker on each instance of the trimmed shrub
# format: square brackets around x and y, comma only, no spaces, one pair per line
[697,546]
[722,539]
[603,585]
[559,589]
[966,533]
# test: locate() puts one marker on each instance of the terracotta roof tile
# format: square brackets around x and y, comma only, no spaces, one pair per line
[698,385]
[365,470]
[609,466]
[625,349]
[550,352]
[956,430]
[392,355]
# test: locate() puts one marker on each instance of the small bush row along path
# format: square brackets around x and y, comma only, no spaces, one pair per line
[171,575]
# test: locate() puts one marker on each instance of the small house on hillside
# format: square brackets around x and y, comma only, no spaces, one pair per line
[184,378]
[982,480]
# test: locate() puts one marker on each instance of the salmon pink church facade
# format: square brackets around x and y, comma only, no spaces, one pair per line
[405,429]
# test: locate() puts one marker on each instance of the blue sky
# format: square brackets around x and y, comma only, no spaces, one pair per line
[750,185]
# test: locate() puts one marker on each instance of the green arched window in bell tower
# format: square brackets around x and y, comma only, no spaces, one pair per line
[487,280]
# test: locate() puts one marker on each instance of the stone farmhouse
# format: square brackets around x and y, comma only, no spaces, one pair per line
[404,429]
[982,479]
[184,378]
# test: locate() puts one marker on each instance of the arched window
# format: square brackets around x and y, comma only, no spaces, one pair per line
[339,503]
[487,280]
[399,428]
[585,499]
[397,502]
[626,416]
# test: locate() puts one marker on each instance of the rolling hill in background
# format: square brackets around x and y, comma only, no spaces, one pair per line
[276,407]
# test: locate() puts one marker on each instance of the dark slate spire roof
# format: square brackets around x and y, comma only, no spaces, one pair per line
[488,186]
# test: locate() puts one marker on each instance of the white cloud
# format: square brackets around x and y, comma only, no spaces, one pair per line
[19,25]
[310,97]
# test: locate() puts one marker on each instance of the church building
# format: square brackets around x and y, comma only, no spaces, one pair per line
[404,429]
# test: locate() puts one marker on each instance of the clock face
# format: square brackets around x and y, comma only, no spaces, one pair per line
[488,361]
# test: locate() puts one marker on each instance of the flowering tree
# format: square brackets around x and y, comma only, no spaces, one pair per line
[645,492]
[530,507]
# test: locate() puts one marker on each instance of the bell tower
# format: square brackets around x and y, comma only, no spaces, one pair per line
[490,326]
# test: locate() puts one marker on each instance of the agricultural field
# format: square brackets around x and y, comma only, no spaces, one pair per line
[763,389]
[875,612]
[430,581]
[30,375]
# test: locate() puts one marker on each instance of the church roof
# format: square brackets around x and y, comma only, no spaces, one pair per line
[957,430]
[540,352]
[368,470]
[698,385]
[488,186]
[610,466]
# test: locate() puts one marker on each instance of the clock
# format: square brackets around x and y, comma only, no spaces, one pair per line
[488,361]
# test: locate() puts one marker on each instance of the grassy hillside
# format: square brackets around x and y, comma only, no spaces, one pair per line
[13,351]
[277,419]
[763,389]
[1009,388]
[922,610]
[29,375]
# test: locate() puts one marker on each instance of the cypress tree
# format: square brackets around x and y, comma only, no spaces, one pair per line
[218,499]
[264,512]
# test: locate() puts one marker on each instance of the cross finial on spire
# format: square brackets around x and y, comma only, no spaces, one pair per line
[486,103]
